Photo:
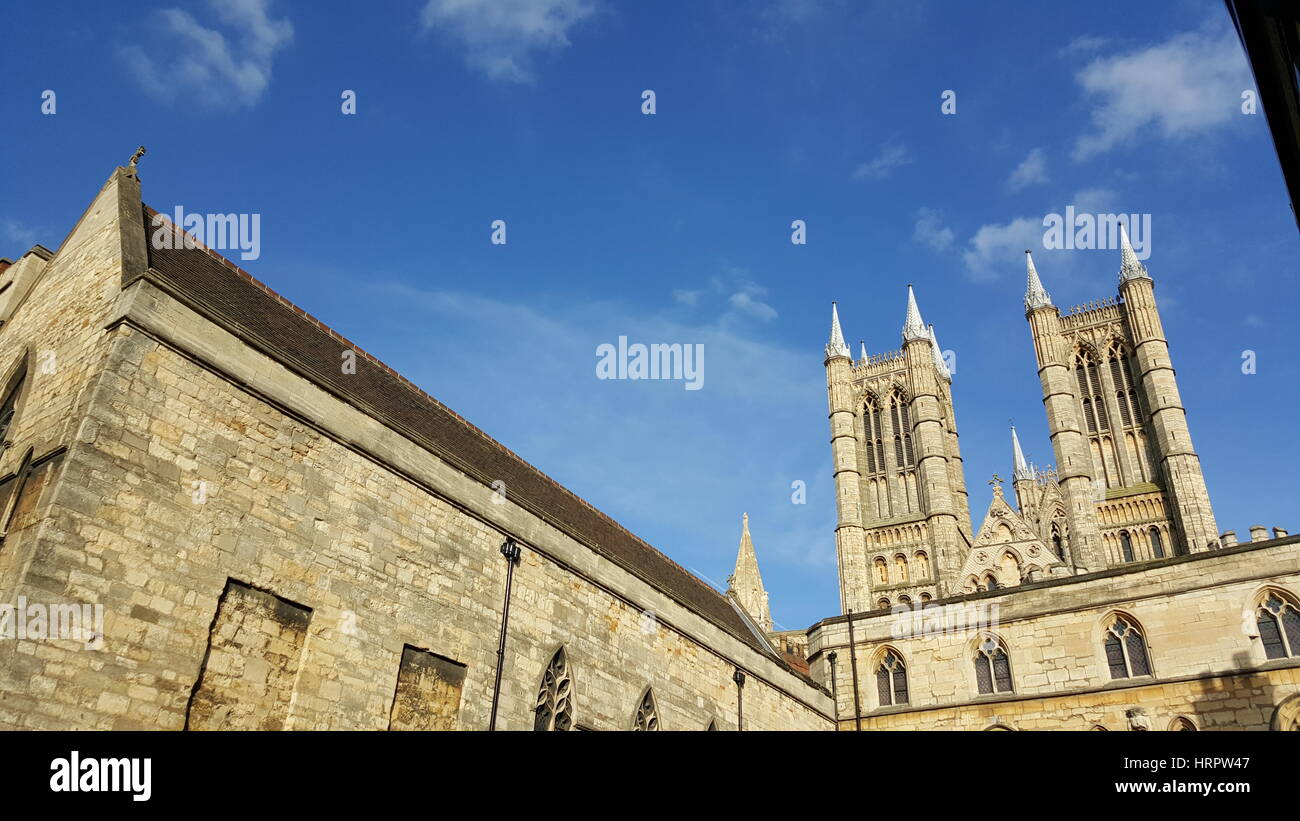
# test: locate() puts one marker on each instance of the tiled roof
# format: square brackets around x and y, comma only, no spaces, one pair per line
[217,288]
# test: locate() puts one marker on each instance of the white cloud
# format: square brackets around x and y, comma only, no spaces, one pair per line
[1031,171]
[1084,43]
[501,36]
[997,249]
[17,235]
[892,156]
[746,301]
[192,61]
[684,297]
[1177,89]
[931,231]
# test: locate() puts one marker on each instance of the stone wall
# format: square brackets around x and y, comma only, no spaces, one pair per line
[269,556]
[1196,614]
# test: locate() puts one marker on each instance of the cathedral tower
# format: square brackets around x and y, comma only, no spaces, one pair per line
[1131,482]
[904,516]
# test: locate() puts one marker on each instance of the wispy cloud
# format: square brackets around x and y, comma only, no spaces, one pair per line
[1183,87]
[997,249]
[18,237]
[1082,44]
[219,70]
[891,157]
[501,37]
[735,286]
[1031,171]
[931,231]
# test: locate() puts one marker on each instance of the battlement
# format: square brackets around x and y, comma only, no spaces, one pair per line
[1095,312]
[877,361]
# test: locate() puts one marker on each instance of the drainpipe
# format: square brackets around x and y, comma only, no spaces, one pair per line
[510,550]
[835,690]
[739,678]
[853,659]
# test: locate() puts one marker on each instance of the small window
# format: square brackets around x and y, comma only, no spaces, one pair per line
[1126,545]
[891,680]
[1157,544]
[1126,653]
[646,718]
[1279,627]
[992,668]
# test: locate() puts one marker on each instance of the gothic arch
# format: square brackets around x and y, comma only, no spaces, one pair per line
[988,662]
[1182,723]
[645,718]
[1123,650]
[1273,617]
[889,669]
[554,708]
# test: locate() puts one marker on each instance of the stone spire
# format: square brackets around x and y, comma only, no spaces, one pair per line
[939,364]
[864,350]
[836,347]
[1130,267]
[1035,295]
[913,327]
[1022,469]
[746,585]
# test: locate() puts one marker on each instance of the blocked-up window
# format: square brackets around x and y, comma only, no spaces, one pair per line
[428,692]
[254,652]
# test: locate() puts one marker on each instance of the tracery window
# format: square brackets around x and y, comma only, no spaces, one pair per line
[1279,626]
[992,667]
[874,432]
[901,416]
[647,714]
[1126,651]
[1090,393]
[555,696]
[891,679]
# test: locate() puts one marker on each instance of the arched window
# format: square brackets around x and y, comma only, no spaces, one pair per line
[991,582]
[8,408]
[992,667]
[874,436]
[713,726]
[904,599]
[555,697]
[1183,724]
[1126,545]
[1157,544]
[1126,651]
[925,597]
[891,679]
[1058,546]
[647,713]
[901,417]
[882,571]
[883,604]
[1090,395]
[900,567]
[922,565]
[1279,626]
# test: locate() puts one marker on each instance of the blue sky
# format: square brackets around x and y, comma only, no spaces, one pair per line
[675,227]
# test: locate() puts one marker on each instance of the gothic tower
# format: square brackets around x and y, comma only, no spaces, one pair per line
[904,516]
[746,585]
[1131,482]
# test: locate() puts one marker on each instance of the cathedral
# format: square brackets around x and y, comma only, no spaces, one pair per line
[1104,598]
[216,512]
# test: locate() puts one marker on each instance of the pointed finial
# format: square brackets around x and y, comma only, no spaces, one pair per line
[836,346]
[939,364]
[1130,267]
[1035,295]
[863,346]
[139,152]
[1022,469]
[913,327]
